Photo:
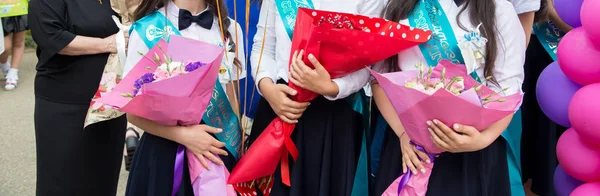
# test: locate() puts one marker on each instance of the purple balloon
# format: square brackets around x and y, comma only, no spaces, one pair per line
[554,91]
[569,10]
[563,183]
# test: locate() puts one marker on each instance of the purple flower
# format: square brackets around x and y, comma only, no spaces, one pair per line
[193,66]
[145,79]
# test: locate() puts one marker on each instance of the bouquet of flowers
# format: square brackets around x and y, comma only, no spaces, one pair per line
[343,43]
[172,85]
[113,70]
[447,93]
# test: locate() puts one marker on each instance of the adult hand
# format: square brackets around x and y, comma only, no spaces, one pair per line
[316,80]
[198,140]
[411,157]
[460,138]
[278,97]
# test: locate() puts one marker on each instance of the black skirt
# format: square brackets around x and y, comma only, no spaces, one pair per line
[481,173]
[152,169]
[328,138]
[540,134]
[72,160]
[14,24]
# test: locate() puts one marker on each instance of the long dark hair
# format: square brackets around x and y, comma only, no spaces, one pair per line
[146,7]
[480,12]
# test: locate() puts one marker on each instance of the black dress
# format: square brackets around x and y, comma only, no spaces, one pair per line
[328,137]
[540,134]
[72,160]
[151,172]
[481,173]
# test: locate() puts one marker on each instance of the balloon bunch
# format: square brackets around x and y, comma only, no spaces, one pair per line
[569,94]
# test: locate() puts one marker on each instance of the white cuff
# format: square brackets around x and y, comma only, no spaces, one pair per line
[259,76]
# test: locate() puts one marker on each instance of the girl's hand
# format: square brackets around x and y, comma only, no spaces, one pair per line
[197,139]
[460,138]
[316,80]
[277,95]
[411,157]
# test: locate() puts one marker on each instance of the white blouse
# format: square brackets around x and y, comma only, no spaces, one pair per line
[276,54]
[508,69]
[524,6]
[196,32]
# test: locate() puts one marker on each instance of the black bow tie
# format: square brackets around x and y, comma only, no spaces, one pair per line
[205,19]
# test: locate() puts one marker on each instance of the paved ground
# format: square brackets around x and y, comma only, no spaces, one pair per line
[17,138]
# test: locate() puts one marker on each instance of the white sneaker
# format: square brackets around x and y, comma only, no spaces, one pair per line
[11,79]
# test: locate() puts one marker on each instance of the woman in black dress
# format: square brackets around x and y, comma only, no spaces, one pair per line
[74,40]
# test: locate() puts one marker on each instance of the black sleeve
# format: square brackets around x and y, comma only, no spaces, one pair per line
[48,20]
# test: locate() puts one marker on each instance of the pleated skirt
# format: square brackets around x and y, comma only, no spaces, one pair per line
[328,137]
[152,169]
[480,173]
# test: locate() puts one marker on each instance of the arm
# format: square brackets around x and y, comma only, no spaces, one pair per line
[386,109]
[49,28]
[264,65]
[555,18]
[509,65]
[527,23]
[345,86]
[173,133]
[83,45]
[526,10]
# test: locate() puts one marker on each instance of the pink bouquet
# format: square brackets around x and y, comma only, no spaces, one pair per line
[172,85]
[446,93]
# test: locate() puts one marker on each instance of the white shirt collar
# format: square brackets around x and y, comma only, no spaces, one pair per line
[173,10]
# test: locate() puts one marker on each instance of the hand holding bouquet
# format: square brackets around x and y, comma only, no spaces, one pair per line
[340,44]
[446,93]
[172,85]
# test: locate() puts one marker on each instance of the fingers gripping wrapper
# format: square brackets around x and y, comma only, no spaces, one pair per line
[343,43]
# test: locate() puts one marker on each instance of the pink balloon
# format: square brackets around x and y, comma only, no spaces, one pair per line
[578,58]
[579,160]
[583,114]
[587,189]
[590,19]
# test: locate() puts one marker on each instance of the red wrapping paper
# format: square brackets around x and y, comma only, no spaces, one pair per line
[341,51]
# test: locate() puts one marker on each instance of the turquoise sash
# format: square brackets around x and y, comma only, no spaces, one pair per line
[443,45]
[549,36]
[288,10]
[219,113]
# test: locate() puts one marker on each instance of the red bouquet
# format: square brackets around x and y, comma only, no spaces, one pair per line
[343,43]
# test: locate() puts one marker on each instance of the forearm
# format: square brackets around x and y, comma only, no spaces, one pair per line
[172,133]
[386,109]
[560,24]
[83,45]
[232,91]
[493,131]
[527,22]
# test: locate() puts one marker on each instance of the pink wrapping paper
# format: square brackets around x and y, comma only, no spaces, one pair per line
[181,100]
[415,108]
[417,184]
